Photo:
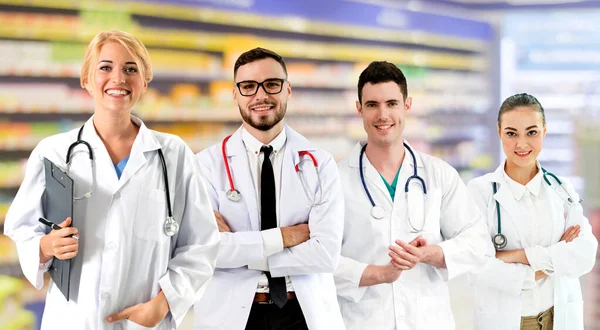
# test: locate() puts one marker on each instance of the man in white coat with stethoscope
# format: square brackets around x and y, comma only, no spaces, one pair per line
[280,210]
[410,224]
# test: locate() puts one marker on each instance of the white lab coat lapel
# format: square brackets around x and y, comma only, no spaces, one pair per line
[242,178]
[144,143]
[400,199]
[292,195]
[507,202]
[103,165]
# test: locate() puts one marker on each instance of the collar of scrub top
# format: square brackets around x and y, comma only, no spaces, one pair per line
[407,165]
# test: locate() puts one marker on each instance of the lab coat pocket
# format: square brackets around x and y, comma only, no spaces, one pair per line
[434,313]
[217,298]
[235,213]
[150,215]
[130,325]
[574,319]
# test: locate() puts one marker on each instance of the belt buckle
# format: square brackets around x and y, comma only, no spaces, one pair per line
[269,302]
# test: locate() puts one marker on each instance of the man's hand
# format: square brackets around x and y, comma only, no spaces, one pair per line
[59,244]
[373,274]
[407,255]
[221,223]
[540,275]
[513,256]
[571,234]
[148,314]
[294,235]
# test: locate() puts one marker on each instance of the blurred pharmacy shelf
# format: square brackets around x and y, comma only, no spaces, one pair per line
[193,49]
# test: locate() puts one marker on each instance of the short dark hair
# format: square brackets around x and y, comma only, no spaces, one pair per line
[380,72]
[521,100]
[256,54]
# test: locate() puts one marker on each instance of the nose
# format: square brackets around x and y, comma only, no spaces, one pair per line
[261,94]
[118,77]
[521,142]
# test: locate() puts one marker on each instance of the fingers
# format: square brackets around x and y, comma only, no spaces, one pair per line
[223,227]
[65,232]
[410,249]
[65,248]
[66,223]
[122,315]
[402,258]
[218,215]
[418,241]
[571,233]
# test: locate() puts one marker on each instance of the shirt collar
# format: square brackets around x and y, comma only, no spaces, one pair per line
[517,189]
[253,144]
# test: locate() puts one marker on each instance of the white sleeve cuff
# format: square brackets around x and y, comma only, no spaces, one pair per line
[272,241]
[539,258]
[529,282]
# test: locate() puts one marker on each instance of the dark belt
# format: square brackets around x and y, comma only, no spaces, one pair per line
[265,297]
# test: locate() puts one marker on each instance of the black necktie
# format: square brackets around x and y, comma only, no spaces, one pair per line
[268,218]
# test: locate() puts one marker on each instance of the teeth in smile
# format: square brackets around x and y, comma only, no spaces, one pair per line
[384,126]
[117,92]
[522,153]
[262,108]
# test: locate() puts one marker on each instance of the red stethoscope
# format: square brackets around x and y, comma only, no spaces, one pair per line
[234,195]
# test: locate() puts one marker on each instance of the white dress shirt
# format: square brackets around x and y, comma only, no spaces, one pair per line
[272,239]
[537,296]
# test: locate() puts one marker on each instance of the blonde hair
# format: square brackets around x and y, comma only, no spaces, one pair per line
[133,46]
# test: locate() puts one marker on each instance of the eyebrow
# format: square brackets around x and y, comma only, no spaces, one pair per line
[108,61]
[388,101]
[514,129]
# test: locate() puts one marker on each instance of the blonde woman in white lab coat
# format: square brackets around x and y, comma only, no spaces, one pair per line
[543,241]
[126,272]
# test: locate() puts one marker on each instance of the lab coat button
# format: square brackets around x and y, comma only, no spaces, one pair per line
[112,245]
[105,296]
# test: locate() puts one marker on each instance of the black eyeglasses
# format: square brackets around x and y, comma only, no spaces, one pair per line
[270,86]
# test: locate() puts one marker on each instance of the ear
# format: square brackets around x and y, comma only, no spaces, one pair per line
[289,89]
[408,104]
[87,86]
[234,94]
[499,131]
[544,132]
[359,108]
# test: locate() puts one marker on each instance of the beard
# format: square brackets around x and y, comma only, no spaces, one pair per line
[264,123]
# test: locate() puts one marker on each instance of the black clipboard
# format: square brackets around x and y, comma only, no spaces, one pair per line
[57,203]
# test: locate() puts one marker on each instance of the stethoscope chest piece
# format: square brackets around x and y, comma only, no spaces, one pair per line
[499,241]
[378,212]
[233,195]
[171,227]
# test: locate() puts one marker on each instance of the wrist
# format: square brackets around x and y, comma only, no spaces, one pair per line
[44,255]
[162,304]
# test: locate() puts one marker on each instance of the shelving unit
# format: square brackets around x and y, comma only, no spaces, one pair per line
[193,50]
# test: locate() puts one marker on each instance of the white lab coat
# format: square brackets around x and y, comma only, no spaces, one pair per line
[419,298]
[124,256]
[228,298]
[498,285]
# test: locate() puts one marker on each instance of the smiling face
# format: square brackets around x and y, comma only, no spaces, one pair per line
[262,111]
[116,80]
[383,111]
[522,131]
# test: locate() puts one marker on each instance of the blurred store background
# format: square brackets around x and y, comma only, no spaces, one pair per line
[461,58]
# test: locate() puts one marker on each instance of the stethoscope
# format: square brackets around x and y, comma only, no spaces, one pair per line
[499,239]
[377,211]
[234,195]
[170,227]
